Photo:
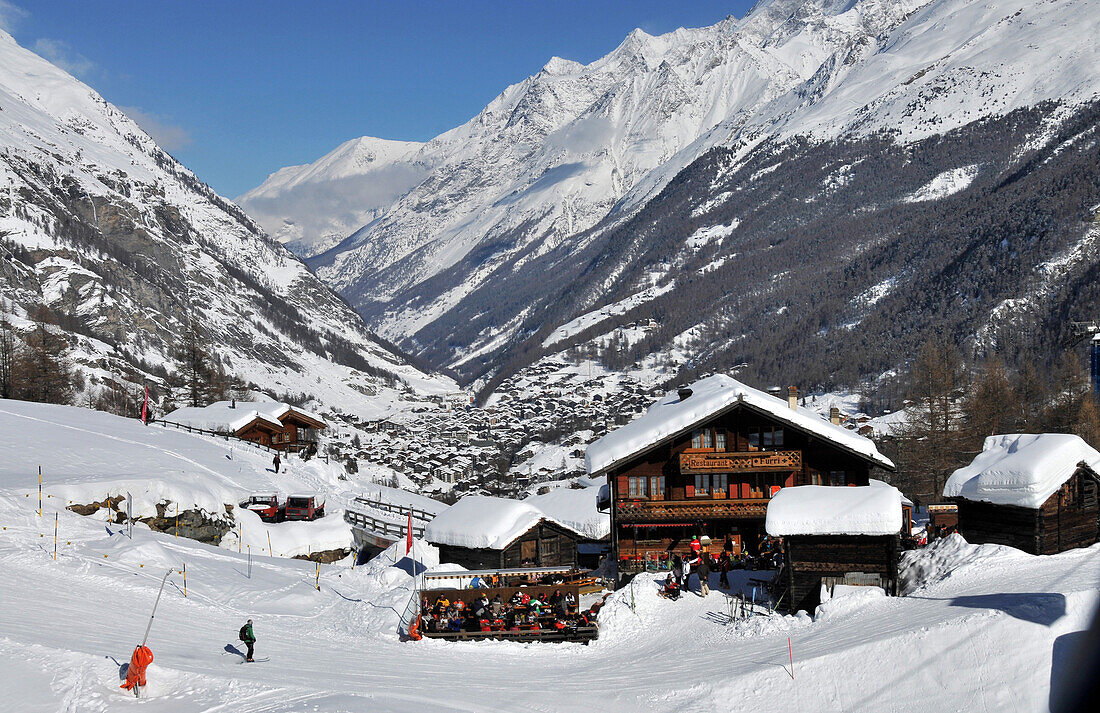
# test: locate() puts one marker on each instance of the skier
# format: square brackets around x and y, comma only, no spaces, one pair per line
[276,462]
[249,638]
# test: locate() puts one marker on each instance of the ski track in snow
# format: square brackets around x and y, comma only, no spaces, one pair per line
[224,478]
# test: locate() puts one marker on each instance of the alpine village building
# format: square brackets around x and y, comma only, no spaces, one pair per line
[271,424]
[1033,491]
[707,459]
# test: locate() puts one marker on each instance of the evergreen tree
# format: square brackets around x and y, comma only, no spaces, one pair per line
[7,358]
[40,371]
[199,378]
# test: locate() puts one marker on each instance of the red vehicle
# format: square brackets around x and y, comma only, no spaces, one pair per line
[304,507]
[266,505]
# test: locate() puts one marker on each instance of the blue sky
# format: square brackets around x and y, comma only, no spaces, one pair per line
[236,90]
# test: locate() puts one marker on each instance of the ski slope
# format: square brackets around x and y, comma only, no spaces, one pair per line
[87,455]
[980,636]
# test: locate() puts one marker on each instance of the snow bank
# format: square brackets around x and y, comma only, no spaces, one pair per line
[672,416]
[1021,469]
[939,560]
[480,522]
[827,510]
[576,508]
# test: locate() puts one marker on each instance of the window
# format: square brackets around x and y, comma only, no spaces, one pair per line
[766,438]
[710,483]
[702,438]
[719,481]
[719,440]
[636,486]
[815,477]
[838,477]
[702,484]
[657,486]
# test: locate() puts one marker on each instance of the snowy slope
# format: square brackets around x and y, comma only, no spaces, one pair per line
[991,630]
[574,145]
[103,227]
[87,455]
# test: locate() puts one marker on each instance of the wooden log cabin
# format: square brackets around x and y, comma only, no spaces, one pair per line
[272,424]
[480,532]
[1034,492]
[836,536]
[707,459]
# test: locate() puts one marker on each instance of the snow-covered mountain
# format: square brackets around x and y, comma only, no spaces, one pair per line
[313,207]
[124,245]
[561,158]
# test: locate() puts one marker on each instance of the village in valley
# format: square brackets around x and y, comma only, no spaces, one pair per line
[752,366]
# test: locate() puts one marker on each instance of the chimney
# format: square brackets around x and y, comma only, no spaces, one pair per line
[792,396]
[834,415]
[684,392]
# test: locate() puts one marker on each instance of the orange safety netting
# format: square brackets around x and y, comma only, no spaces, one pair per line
[135,674]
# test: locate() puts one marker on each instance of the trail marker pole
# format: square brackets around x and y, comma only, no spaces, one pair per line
[250,561]
[177,520]
[39,491]
[270,551]
[319,576]
[55,537]
[790,652]
[185,579]
[155,604]
[240,534]
[108,501]
[130,513]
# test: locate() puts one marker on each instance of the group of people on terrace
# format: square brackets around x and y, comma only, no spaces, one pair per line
[700,562]
[523,611]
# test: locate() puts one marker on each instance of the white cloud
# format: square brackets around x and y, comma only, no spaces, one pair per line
[59,53]
[10,15]
[171,137]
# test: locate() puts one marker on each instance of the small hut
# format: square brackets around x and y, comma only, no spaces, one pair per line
[836,536]
[481,532]
[1035,492]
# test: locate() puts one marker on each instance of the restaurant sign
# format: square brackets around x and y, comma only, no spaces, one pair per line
[740,462]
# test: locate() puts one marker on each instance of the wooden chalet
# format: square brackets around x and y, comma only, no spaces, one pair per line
[275,425]
[836,536]
[707,460]
[1035,492]
[480,532]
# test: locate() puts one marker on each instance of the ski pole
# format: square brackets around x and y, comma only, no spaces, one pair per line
[155,604]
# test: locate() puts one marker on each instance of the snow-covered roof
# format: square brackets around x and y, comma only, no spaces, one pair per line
[1022,469]
[483,522]
[835,510]
[709,397]
[882,483]
[575,507]
[233,416]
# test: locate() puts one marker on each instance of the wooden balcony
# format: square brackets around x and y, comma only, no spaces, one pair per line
[638,512]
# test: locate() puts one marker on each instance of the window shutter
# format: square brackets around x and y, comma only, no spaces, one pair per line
[733,490]
[690,491]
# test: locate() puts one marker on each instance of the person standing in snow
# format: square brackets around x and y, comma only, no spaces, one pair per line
[686,579]
[702,568]
[724,566]
[249,638]
[276,461]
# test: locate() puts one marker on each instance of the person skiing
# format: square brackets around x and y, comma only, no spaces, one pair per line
[249,638]
[276,461]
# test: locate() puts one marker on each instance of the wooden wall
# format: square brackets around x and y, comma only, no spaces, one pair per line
[550,545]
[1067,519]
[809,558]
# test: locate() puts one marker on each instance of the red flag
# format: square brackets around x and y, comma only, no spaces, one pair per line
[409,538]
[145,407]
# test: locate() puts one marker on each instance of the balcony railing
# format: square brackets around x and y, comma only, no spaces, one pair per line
[687,511]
